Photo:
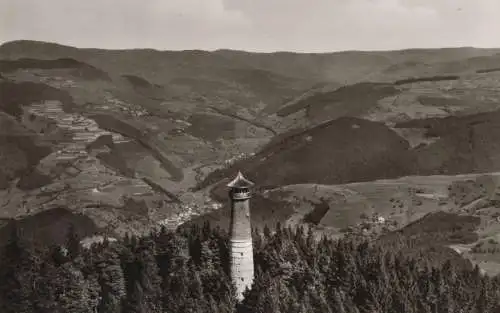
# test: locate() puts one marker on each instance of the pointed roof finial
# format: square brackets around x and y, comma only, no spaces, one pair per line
[240,182]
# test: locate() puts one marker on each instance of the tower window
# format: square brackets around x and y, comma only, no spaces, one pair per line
[242,279]
[241,253]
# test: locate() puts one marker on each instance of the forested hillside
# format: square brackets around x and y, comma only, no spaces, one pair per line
[186,272]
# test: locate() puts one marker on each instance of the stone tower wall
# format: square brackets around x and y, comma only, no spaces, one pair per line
[242,267]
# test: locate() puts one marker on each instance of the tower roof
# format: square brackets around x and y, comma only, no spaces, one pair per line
[240,182]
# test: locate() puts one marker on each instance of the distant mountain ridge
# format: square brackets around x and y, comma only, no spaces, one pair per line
[319,66]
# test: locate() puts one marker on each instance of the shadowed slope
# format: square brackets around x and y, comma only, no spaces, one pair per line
[15,95]
[464,143]
[431,236]
[340,151]
[80,69]
[49,227]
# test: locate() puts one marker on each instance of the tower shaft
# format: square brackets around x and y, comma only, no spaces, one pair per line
[242,267]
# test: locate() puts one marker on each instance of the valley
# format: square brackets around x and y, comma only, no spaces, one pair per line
[348,142]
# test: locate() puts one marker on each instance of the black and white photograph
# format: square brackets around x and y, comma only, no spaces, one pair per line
[250,156]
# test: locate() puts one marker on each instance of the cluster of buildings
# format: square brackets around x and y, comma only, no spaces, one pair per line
[485,86]
[486,82]
[186,213]
[236,158]
[87,242]
[57,82]
[429,88]
[174,221]
[80,130]
[118,105]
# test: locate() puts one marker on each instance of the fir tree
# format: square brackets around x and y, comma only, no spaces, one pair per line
[149,278]
[156,274]
[72,293]
[17,275]
[112,283]
[73,245]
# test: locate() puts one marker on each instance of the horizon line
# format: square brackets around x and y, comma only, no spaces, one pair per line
[248,51]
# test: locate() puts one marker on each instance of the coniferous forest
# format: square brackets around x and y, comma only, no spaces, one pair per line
[187,272]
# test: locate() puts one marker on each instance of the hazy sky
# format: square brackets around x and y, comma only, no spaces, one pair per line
[256,25]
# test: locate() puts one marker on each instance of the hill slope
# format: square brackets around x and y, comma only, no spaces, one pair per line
[351,149]
[121,136]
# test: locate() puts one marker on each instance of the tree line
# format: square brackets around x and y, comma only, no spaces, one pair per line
[187,271]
